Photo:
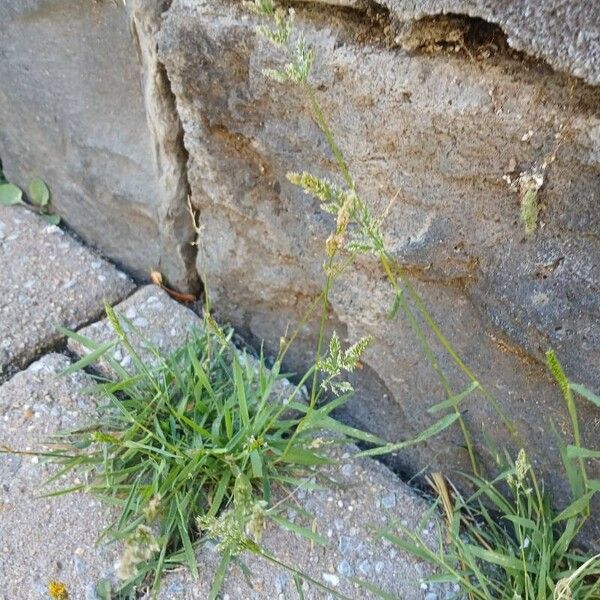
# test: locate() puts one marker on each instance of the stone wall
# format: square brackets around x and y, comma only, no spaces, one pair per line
[85,105]
[436,104]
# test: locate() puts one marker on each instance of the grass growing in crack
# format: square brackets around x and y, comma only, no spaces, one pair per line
[190,448]
[507,541]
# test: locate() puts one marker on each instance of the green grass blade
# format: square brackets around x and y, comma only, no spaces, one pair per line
[220,492]
[241,392]
[256,462]
[88,359]
[373,589]
[587,394]
[574,509]
[219,576]
[298,584]
[578,452]
[299,530]
[430,432]
[454,401]
[188,548]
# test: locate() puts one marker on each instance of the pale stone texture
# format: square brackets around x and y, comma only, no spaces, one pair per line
[48,279]
[363,497]
[45,539]
[436,133]
[86,106]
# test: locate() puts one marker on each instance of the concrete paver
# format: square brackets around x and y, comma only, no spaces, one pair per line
[47,279]
[45,539]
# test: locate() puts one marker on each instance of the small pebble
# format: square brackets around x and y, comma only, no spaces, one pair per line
[281,582]
[347,470]
[365,567]
[345,569]
[389,501]
[131,313]
[347,544]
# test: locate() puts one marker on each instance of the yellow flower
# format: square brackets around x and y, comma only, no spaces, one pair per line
[58,590]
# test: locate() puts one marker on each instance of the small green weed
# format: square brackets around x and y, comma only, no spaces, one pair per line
[529,185]
[38,196]
[201,437]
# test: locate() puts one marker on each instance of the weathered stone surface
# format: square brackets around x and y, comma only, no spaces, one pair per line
[565,34]
[437,133]
[48,279]
[363,497]
[86,106]
[45,539]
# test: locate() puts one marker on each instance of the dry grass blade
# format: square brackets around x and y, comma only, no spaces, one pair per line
[563,590]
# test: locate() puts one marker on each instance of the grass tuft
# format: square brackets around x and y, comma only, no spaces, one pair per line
[190,448]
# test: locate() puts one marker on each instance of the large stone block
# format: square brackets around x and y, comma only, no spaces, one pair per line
[437,132]
[85,105]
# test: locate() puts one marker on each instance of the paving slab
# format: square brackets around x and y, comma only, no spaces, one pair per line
[45,539]
[158,318]
[364,496]
[47,279]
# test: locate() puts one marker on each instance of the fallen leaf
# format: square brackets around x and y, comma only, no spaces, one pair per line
[156,278]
